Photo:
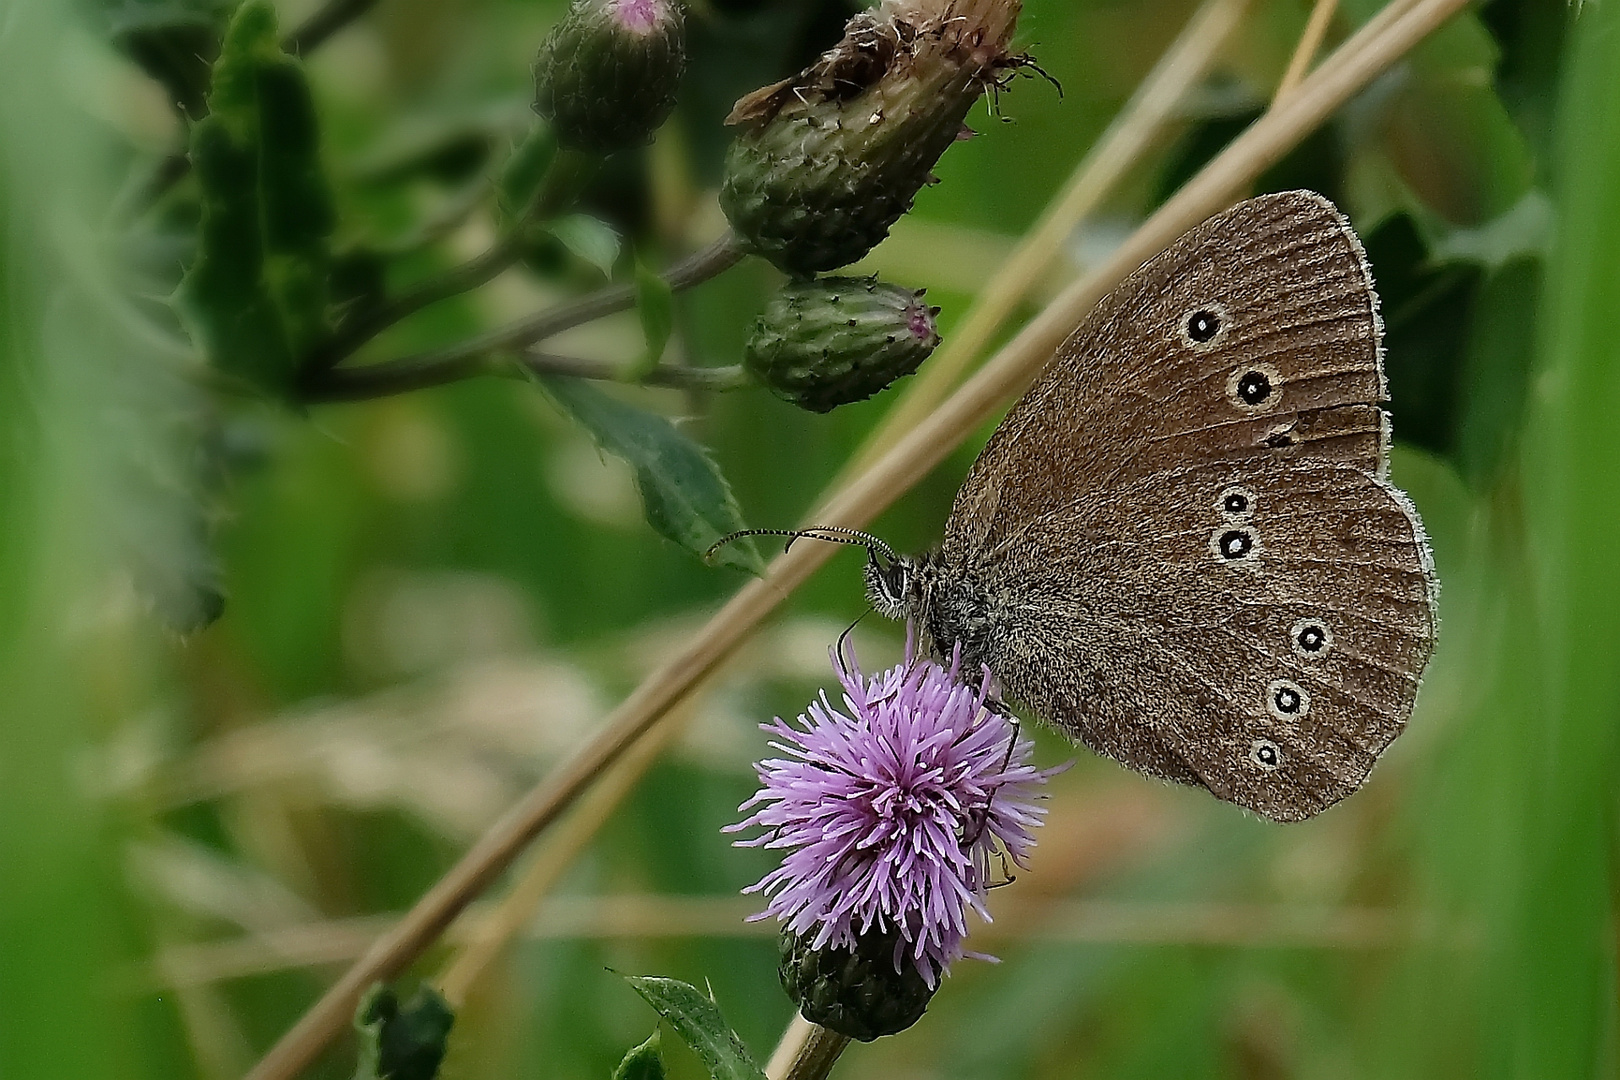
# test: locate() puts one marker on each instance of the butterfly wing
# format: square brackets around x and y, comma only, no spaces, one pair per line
[1181,537]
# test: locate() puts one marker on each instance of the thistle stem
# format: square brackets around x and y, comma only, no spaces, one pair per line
[478,356]
[570,170]
[814,1055]
[385,380]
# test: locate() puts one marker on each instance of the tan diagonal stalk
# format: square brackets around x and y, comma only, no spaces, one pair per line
[1113,155]
[1310,42]
[1362,58]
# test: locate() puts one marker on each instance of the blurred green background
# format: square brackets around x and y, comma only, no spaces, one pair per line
[429,599]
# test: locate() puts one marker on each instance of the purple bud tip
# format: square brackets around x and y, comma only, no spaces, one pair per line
[640,16]
[920,322]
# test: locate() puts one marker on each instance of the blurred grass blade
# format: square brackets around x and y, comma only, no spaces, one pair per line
[256,298]
[698,1021]
[682,491]
[1556,974]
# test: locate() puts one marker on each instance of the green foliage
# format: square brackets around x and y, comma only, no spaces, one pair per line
[698,1021]
[402,1041]
[256,297]
[175,42]
[683,493]
[644,1062]
[591,239]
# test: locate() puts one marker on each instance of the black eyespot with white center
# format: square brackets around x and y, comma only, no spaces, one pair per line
[1265,754]
[1287,700]
[1203,328]
[1234,544]
[1235,504]
[1254,387]
[1311,639]
[1203,325]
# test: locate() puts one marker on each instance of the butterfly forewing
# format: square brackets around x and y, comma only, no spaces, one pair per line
[1179,546]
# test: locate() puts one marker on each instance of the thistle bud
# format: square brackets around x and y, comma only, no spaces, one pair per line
[864,990]
[607,73]
[828,160]
[825,343]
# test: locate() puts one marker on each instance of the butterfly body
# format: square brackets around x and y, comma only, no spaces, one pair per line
[1180,546]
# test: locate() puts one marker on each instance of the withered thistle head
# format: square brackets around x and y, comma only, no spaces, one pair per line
[828,160]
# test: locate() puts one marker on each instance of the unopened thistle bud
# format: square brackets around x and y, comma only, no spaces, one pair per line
[859,990]
[828,160]
[607,73]
[825,343]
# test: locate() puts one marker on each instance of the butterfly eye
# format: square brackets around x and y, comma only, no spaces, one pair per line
[1311,638]
[1234,544]
[1287,700]
[1265,754]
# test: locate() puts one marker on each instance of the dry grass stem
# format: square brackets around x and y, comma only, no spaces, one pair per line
[1109,160]
[1310,42]
[1224,179]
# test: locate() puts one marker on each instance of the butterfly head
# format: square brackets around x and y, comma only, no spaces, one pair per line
[890,581]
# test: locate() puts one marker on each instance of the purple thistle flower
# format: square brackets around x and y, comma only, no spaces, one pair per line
[890,813]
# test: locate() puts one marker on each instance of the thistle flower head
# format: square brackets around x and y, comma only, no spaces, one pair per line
[607,73]
[892,811]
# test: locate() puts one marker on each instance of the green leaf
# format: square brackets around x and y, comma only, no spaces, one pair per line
[592,239]
[643,1063]
[684,495]
[256,298]
[655,303]
[697,1020]
[402,1042]
[1501,349]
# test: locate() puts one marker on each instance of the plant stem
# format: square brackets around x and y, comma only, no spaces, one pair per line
[568,173]
[475,357]
[312,33]
[1309,42]
[1368,54]
[814,1052]
[385,380]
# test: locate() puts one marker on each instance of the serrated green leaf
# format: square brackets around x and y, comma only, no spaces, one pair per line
[684,495]
[402,1042]
[643,1063]
[592,239]
[256,298]
[655,304]
[698,1021]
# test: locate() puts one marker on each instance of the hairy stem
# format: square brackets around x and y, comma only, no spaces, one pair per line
[813,1052]
[480,356]
[569,172]
[1373,49]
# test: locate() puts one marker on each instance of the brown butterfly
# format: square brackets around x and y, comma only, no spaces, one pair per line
[1180,546]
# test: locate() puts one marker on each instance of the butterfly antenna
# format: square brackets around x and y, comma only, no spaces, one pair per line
[832,534]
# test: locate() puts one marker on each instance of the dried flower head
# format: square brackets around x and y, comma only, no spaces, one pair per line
[892,812]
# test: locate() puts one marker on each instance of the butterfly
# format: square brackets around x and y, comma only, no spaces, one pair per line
[1181,546]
